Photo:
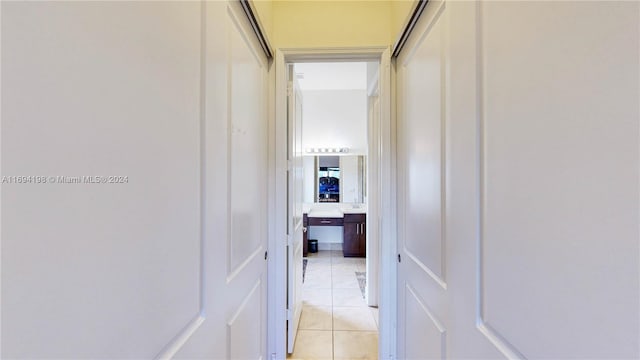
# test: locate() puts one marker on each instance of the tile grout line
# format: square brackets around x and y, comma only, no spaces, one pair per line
[333,326]
[334,264]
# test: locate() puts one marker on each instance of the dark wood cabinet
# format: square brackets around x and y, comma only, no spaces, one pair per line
[305,235]
[314,221]
[351,244]
[355,235]
[354,230]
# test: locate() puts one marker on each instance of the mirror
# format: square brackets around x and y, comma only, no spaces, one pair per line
[328,175]
[332,178]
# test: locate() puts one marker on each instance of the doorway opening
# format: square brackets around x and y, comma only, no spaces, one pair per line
[339,315]
[332,120]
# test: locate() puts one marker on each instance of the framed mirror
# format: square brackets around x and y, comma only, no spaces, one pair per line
[328,175]
[335,179]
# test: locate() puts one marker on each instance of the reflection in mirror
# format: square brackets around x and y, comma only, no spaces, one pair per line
[328,179]
[335,179]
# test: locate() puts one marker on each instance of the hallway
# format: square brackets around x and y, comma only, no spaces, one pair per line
[336,323]
[147,161]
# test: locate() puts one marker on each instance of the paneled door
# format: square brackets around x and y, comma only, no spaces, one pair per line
[422,285]
[294,206]
[167,102]
[236,216]
[518,181]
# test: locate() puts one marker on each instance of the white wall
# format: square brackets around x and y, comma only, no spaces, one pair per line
[118,270]
[335,118]
[373,69]
[329,237]
[349,185]
[309,176]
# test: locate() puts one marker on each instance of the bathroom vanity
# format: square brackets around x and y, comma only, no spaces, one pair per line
[355,235]
[353,223]
[334,203]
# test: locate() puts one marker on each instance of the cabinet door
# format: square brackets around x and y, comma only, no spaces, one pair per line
[305,242]
[362,240]
[305,235]
[351,245]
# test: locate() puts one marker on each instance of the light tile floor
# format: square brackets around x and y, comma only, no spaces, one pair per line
[336,323]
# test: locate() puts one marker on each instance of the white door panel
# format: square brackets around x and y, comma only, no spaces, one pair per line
[170,263]
[423,322]
[294,218]
[518,142]
[236,227]
[244,337]
[100,270]
[422,296]
[560,178]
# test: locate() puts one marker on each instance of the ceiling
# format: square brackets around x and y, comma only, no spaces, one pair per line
[332,76]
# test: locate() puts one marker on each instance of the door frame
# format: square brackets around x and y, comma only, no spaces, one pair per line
[384,140]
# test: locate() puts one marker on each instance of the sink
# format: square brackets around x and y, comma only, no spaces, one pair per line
[355,209]
[326,213]
[358,210]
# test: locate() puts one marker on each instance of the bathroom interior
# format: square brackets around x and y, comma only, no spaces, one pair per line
[335,116]
[339,101]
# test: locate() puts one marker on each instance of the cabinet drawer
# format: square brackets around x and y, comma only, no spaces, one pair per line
[355,218]
[325,221]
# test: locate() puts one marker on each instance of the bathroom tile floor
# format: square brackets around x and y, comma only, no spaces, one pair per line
[336,323]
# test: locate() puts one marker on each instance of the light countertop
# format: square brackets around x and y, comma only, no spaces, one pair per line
[323,210]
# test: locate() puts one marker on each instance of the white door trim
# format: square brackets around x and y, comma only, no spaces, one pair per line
[277,290]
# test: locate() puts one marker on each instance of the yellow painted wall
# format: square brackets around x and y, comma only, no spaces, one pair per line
[332,23]
[264,11]
[318,23]
[400,12]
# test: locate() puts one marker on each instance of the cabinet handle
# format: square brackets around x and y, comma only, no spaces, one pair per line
[357,229]
[325,221]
